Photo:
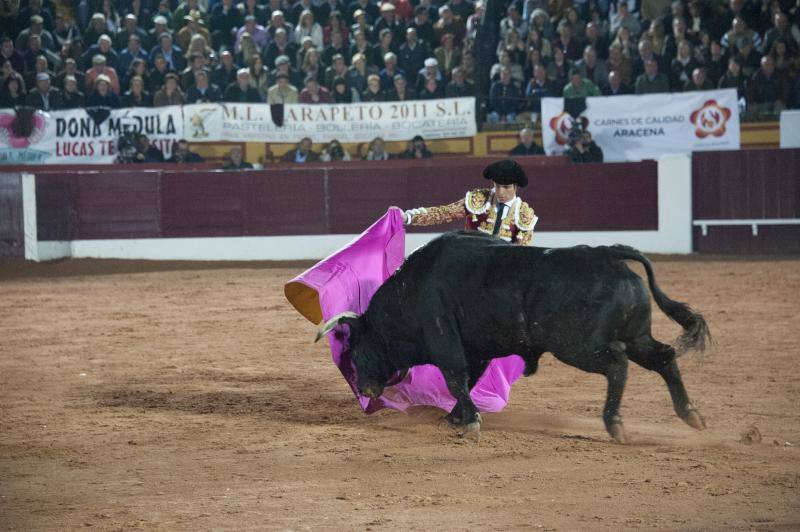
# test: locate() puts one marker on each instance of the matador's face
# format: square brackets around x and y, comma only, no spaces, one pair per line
[505,193]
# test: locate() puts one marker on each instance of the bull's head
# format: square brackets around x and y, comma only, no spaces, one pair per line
[367,352]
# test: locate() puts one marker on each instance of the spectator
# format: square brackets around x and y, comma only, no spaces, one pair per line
[416,149]
[136,95]
[715,62]
[40,68]
[459,87]
[72,97]
[277,21]
[240,91]
[448,55]
[376,150]
[100,68]
[333,25]
[7,72]
[400,91]
[97,27]
[780,30]
[225,20]
[513,21]
[312,66]
[202,91]
[44,96]
[133,51]
[431,69]
[170,93]
[526,146]
[504,99]
[35,50]
[36,28]
[171,53]
[592,68]
[578,86]
[619,62]
[682,67]
[422,25]
[357,73]
[307,27]
[259,76]
[146,152]
[449,22]
[571,47]
[194,26]
[749,58]
[733,78]
[389,20]
[539,87]
[247,49]
[158,73]
[12,94]
[302,153]
[235,160]
[384,47]
[582,149]
[280,46]
[130,27]
[338,69]
[390,71]
[337,46]
[596,40]
[182,154]
[9,53]
[412,54]
[361,46]
[283,66]
[64,31]
[361,25]
[196,63]
[343,93]
[373,92]
[334,151]
[138,68]
[431,89]
[159,28]
[615,86]
[225,72]
[313,93]
[652,81]
[739,29]
[283,91]
[698,81]
[254,9]
[103,48]
[558,69]
[766,90]
[102,96]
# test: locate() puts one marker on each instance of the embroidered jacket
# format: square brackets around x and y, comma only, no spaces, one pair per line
[479,212]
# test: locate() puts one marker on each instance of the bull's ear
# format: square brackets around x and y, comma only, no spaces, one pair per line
[350,318]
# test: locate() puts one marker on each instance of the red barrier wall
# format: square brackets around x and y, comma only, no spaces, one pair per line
[119,202]
[752,184]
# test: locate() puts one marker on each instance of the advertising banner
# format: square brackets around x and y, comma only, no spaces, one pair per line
[358,122]
[632,128]
[82,137]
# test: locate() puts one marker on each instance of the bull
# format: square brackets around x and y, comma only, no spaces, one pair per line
[466,298]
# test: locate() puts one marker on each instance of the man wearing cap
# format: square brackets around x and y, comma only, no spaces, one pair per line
[283,91]
[103,47]
[194,26]
[240,91]
[159,26]
[389,20]
[99,67]
[44,96]
[97,27]
[225,72]
[495,211]
[284,66]
[184,9]
[431,68]
[130,26]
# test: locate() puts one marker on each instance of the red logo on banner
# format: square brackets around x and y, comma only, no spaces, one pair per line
[710,119]
[562,124]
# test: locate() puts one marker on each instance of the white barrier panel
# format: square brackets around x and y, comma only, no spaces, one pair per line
[674,234]
[790,129]
[633,128]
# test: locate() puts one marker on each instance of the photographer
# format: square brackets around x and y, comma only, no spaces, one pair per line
[582,149]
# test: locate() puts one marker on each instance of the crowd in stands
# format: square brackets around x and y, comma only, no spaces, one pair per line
[58,54]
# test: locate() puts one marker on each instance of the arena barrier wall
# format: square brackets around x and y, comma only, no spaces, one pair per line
[747,201]
[307,212]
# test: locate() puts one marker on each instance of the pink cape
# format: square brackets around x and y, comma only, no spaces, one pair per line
[346,281]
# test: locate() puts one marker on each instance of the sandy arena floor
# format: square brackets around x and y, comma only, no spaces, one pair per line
[190,396]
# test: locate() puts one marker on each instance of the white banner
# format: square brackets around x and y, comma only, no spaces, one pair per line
[790,129]
[632,128]
[76,137]
[359,122]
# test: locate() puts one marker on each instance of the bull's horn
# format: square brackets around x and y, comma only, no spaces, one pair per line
[329,325]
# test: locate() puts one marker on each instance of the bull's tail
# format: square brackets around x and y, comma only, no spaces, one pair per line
[695,331]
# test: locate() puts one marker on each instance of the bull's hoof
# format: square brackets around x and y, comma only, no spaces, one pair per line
[617,432]
[472,431]
[453,420]
[694,419]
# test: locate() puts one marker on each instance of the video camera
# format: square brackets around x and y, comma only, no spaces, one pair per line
[126,148]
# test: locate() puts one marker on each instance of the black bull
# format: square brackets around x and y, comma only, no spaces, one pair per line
[466,298]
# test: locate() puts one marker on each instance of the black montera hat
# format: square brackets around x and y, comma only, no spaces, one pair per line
[506,172]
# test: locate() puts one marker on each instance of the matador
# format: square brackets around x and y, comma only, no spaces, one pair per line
[496,211]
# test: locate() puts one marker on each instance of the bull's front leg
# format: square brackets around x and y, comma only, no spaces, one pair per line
[464,413]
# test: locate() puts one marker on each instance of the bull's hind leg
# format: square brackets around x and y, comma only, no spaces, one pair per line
[658,357]
[612,362]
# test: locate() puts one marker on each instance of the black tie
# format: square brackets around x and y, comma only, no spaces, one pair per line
[499,221]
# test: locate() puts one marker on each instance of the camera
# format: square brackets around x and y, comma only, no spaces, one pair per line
[126,148]
[575,133]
